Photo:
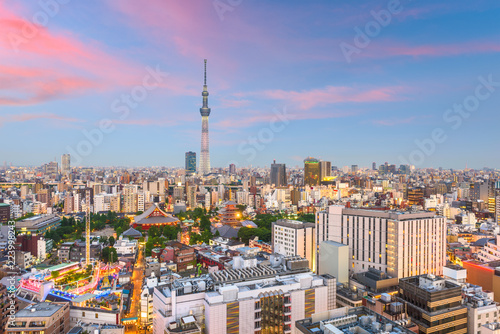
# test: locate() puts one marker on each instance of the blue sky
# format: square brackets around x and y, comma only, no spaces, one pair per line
[60,78]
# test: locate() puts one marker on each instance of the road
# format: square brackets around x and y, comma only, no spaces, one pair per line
[135,305]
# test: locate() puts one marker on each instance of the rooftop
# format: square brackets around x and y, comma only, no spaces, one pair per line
[43,309]
[296,224]
[353,320]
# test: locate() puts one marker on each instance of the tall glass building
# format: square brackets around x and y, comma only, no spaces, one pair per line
[190,163]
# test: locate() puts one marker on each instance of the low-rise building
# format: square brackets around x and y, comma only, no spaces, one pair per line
[38,224]
[349,320]
[125,246]
[47,318]
[182,255]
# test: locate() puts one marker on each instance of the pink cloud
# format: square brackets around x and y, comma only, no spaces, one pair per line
[39,64]
[393,48]
[308,99]
[33,116]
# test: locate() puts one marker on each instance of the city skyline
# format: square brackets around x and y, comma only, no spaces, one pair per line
[352,95]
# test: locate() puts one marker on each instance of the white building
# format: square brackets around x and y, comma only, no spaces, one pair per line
[228,304]
[125,246]
[334,260]
[481,308]
[402,244]
[490,251]
[292,237]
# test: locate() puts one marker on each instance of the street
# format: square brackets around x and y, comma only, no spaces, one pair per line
[135,304]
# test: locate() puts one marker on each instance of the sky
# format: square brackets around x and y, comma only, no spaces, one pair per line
[119,82]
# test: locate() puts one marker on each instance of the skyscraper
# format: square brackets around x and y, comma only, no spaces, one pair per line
[205,112]
[190,163]
[278,174]
[232,169]
[65,164]
[311,171]
[325,170]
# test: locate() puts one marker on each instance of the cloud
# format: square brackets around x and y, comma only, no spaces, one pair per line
[308,99]
[386,49]
[26,117]
[39,64]
[393,122]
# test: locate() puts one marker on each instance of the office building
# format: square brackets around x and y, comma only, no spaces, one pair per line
[325,170]
[4,212]
[434,304]
[311,172]
[292,237]
[46,318]
[190,163]
[278,174]
[51,169]
[402,244]
[232,169]
[65,164]
[416,196]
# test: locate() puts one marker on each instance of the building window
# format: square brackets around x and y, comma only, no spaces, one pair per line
[83,314]
[96,315]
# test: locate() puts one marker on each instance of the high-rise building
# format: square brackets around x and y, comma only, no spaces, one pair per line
[130,198]
[292,237]
[65,164]
[400,244]
[278,174]
[354,169]
[190,163]
[325,170]
[374,165]
[311,171]
[232,169]
[479,191]
[434,304]
[51,169]
[205,112]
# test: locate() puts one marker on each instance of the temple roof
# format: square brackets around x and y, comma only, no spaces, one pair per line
[155,215]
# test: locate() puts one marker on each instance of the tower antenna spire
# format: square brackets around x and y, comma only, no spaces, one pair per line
[205,72]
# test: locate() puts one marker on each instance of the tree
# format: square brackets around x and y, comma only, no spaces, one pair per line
[111,240]
[109,255]
[170,231]
[104,240]
[205,223]
[154,231]
[54,274]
